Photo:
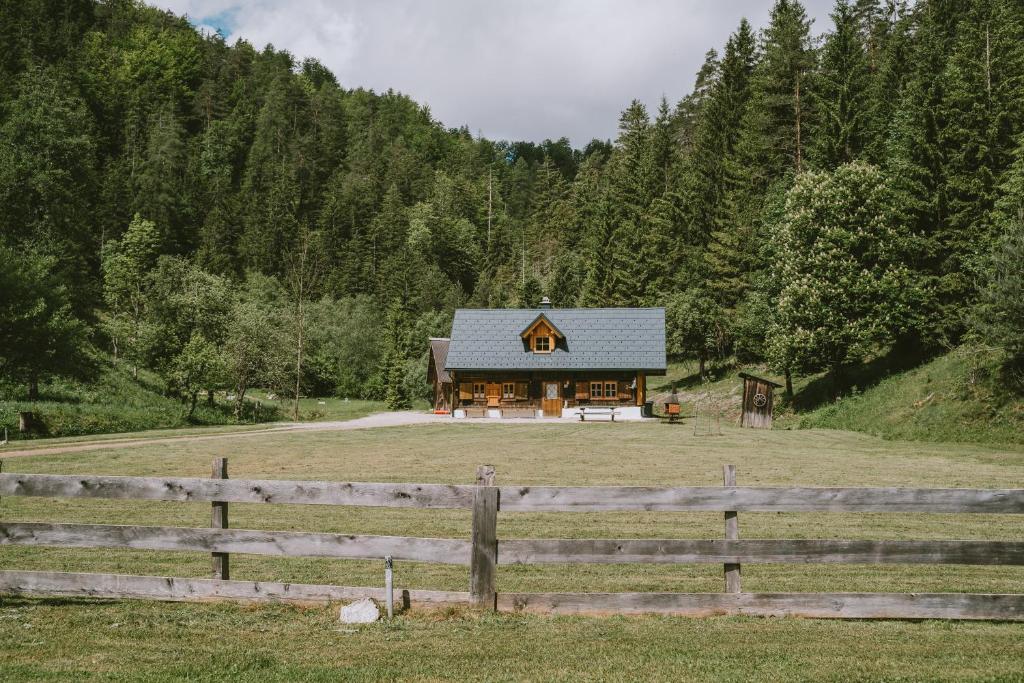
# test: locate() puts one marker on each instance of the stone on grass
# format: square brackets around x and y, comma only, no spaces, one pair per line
[360,612]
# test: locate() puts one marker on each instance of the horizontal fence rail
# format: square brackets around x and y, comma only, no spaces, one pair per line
[484,551]
[238,491]
[757,499]
[247,541]
[808,605]
[520,498]
[168,588]
[782,551]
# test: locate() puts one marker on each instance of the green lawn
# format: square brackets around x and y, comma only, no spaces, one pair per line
[72,635]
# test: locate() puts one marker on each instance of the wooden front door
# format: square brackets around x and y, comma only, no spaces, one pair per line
[552,402]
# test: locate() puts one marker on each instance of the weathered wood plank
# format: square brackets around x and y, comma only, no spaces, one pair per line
[183,589]
[484,539]
[1003,607]
[732,533]
[254,542]
[758,499]
[219,520]
[519,498]
[238,490]
[781,551]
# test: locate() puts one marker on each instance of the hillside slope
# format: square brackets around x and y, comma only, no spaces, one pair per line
[948,399]
[111,401]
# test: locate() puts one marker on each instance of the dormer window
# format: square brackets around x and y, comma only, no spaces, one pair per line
[541,335]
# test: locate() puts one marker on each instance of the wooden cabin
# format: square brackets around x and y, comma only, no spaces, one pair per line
[550,362]
[758,401]
[438,375]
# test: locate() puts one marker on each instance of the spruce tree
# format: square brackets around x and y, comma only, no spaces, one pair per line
[770,147]
[397,350]
[714,138]
[842,87]
[159,186]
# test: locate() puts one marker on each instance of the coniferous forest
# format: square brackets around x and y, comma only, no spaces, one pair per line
[230,217]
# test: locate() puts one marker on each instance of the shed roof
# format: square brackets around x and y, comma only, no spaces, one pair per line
[595,339]
[747,375]
[439,354]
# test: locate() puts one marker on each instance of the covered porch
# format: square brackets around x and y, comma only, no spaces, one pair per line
[551,395]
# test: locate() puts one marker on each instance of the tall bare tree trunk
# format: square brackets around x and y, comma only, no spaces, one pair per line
[799,156]
[490,205]
[304,270]
[300,325]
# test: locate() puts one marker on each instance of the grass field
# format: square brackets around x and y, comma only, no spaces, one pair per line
[57,638]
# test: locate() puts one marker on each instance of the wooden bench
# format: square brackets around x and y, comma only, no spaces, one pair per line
[519,411]
[475,411]
[597,410]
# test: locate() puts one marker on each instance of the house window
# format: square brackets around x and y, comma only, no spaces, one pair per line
[508,390]
[596,390]
[611,389]
[479,391]
[542,344]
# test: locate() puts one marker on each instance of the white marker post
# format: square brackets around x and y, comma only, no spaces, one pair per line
[389,588]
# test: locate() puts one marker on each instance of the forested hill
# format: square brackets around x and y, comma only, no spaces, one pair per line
[230,217]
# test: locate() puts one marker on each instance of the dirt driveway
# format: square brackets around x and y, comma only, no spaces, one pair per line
[370,421]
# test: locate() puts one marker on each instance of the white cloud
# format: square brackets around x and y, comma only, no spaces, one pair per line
[529,69]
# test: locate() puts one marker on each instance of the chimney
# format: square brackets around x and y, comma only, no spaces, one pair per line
[545,303]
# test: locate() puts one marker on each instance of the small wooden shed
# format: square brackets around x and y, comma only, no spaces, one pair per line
[438,376]
[758,400]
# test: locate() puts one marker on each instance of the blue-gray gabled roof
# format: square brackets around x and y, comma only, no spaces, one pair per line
[595,339]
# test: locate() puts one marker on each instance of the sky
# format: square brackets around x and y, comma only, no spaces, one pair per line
[514,69]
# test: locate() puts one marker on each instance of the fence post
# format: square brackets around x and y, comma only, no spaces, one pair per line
[221,568]
[484,554]
[732,533]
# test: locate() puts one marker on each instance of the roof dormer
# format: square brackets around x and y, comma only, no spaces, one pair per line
[541,335]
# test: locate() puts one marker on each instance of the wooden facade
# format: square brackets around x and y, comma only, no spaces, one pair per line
[758,401]
[517,393]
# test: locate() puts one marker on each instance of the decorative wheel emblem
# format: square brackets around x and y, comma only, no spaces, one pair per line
[760,400]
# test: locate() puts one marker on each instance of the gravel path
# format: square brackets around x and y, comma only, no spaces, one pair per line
[368,422]
[396,419]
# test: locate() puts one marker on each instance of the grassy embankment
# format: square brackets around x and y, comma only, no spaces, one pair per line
[113,402]
[63,638]
[948,399]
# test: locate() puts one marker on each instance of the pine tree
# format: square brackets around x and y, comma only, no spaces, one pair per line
[770,147]
[690,109]
[48,175]
[776,122]
[703,169]
[632,187]
[159,185]
[397,350]
[841,89]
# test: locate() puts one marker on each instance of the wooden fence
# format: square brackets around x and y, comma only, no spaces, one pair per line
[484,551]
